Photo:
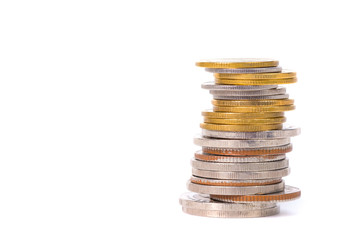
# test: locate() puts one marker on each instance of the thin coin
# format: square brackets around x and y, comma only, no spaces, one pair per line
[279,96]
[238,63]
[254,109]
[283,74]
[236,92]
[233,214]
[227,115]
[243,143]
[213,86]
[286,132]
[240,128]
[289,193]
[244,70]
[256,81]
[239,103]
[241,167]
[241,159]
[248,151]
[245,121]
[278,173]
[232,182]
[230,190]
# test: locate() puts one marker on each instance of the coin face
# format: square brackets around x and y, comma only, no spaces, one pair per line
[237,63]
[244,70]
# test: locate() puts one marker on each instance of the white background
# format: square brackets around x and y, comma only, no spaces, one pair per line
[100,100]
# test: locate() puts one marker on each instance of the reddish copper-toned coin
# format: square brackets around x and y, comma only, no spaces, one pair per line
[234,183]
[290,193]
[248,151]
[220,158]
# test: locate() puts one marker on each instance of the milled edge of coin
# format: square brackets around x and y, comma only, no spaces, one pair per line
[213,86]
[212,114]
[233,182]
[241,167]
[264,92]
[230,190]
[199,155]
[237,63]
[203,201]
[249,109]
[245,121]
[286,132]
[282,74]
[242,128]
[243,143]
[248,151]
[256,81]
[251,103]
[278,96]
[279,173]
[244,70]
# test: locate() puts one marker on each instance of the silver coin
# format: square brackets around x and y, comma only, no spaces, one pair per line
[230,190]
[279,173]
[243,143]
[286,132]
[265,92]
[244,70]
[204,202]
[213,86]
[241,167]
[279,96]
[199,155]
[228,182]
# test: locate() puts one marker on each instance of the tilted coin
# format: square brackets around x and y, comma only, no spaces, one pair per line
[244,143]
[237,159]
[282,74]
[279,96]
[256,81]
[212,114]
[237,63]
[260,102]
[233,182]
[230,190]
[289,193]
[244,70]
[241,128]
[228,121]
[286,132]
[248,151]
[235,92]
[279,173]
[213,86]
[241,167]
[254,109]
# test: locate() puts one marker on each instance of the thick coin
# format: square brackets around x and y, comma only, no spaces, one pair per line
[240,103]
[256,81]
[283,133]
[243,143]
[230,190]
[212,114]
[279,173]
[248,151]
[233,214]
[244,70]
[241,128]
[241,159]
[236,92]
[241,167]
[283,74]
[279,96]
[289,193]
[238,63]
[213,86]
[254,109]
[245,121]
[232,182]
[204,202]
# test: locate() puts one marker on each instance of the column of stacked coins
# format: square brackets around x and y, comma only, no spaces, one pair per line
[238,172]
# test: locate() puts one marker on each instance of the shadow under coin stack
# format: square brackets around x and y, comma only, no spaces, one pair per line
[239,171]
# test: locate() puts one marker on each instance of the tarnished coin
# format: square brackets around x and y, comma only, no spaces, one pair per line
[239,121]
[244,143]
[260,102]
[282,74]
[233,182]
[230,190]
[237,159]
[286,132]
[279,173]
[279,96]
[212,114]
[213,86]
[241,167]
[203,201]
[244,70]
[289,193]
[248,151]
[264,92]
[250,109]
[240,128]
[256,81]
[237,63]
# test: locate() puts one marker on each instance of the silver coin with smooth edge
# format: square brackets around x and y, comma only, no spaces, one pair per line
[244,70]
[240,143]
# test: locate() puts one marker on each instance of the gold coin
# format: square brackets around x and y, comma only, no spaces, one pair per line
[238,63]
[240,128]
[245,121]
[211,114]
[260,102]
[253,76]
[254,109]
[255,81]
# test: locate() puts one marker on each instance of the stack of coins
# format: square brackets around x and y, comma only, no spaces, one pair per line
[238,172]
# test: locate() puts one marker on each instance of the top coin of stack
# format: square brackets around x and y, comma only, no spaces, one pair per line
[243,141]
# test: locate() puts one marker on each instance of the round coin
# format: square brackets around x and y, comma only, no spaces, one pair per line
[244,143]
[245,121]
[212,114]
[238,63]
[254,109]
[241,128]
[248,151]
[213,86]
[256,81]
[239,103]
[283,74]
[279,96]
[279,173]
[232,182]
[244,70]
[236,92]
[241,159]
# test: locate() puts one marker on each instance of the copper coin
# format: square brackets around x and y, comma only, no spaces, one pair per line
[248,151]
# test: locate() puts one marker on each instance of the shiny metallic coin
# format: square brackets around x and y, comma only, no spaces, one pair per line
[199,155]
[245,143]
[233,182]
[241,167]
[213,86]
[248,151]
[264,92]
[279,96]
[286,132]
[264,76]
[244,70]
[237,63]
[230,190]
[241,175]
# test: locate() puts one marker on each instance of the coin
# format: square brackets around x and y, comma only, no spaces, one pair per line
[238,159]
[239,103]
[212,114]
[238,63]
[279,96]
[232,214]
[289,193]
[245,121]
[286,132]
[243,143]
[244,70]
[232,182]
[236,92]
[283,74]
[241,167]
[248,151]
[254,109]
[279,173]
[242,128]
[256,81]
[213,86]
[230,190]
